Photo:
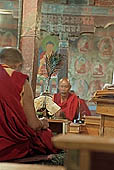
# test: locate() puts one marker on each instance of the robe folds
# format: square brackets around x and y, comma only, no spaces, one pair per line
[72,106]
[17,139]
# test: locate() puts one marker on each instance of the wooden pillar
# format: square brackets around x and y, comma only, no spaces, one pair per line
[29,38]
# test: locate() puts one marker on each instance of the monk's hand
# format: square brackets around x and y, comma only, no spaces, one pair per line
[44,122]
[60,114]
[57,114]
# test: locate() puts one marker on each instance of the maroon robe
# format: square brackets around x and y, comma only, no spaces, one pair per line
[83,108]
[70,107]
[17,139]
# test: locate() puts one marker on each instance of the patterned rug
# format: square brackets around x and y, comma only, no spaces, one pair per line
[52,159]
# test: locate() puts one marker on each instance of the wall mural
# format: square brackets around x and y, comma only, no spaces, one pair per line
[91,62]
[9,23]
[8,38]
[90,47]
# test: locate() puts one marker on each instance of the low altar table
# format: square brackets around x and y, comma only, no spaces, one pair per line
[59,125]
[91,126]
[86,152]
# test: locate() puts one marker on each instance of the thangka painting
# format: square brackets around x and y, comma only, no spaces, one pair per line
[91,61]
[48,46]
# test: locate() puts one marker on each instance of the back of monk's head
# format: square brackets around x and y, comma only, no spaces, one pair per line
[10,56]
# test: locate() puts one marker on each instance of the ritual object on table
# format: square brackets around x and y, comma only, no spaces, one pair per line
[54,63]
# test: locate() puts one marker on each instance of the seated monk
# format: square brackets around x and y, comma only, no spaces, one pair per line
[69,102]
[21,132]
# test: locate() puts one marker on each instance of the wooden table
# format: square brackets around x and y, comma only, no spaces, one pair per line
[105,108]
[90,127]
[92,124]
[106,111]
[59,125]
[86,152]
[14,166]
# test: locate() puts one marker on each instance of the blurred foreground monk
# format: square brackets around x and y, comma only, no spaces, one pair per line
[69,102]
[21,132]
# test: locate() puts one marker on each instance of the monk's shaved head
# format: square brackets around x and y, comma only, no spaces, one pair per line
[66,80]
[64,87]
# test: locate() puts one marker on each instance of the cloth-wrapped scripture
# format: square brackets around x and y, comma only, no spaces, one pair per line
[47,103]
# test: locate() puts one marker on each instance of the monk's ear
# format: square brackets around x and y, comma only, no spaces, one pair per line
[18,66]
[69,87]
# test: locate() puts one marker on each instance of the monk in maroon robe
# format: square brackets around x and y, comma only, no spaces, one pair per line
[21,132]
[70,104]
